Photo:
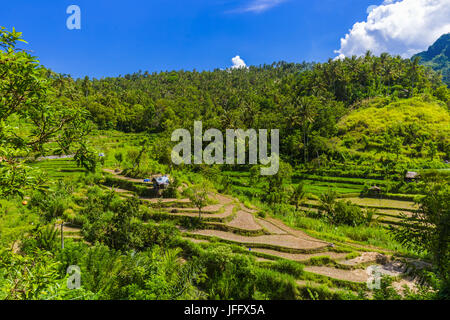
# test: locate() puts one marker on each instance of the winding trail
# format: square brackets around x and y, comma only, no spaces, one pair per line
[281,241]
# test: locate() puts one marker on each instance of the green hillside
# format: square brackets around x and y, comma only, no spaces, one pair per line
[438,57]
[410,127]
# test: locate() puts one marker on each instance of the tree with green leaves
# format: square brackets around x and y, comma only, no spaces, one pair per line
[428,229]
[35,114]
[327,202]
[276,187]
[198,195]
[298,196]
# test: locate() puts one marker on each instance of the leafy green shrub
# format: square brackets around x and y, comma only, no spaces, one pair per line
[345,212]
[232,276]
[52,203]
[275,285]
[119,157]
[289,267]
[42,237]
[172,189]
[35,277]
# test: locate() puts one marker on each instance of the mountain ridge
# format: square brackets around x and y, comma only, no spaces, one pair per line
[438,57]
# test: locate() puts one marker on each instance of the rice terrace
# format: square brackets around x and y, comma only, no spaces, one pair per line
[132,187]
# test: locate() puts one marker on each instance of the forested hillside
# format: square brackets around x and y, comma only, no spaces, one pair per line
[304,101]
[438,57]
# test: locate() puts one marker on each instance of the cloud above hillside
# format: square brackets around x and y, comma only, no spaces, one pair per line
[238,63]
[403,27]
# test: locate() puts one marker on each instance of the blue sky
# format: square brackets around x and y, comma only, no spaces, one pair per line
[119,37]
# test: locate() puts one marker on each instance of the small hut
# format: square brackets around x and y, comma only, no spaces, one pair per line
[411,176]
[161,182]
[374,190]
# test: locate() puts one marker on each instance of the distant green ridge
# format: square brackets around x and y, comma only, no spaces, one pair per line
[413,122]
[438,57]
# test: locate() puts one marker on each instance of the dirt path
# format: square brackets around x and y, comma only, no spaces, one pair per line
[259,259]
[165,200]
[308,283]
[273,229]
[205,210]
[244,220]
[283,241]
[357,275]
[119,176]
[297,233]
[228,211]
[122,191]
[366,257]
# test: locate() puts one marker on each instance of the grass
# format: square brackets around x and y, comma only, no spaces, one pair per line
[384,203]
[242,182]
[59,168]
[318,188]
[364,128]
[343,180]
[15,221]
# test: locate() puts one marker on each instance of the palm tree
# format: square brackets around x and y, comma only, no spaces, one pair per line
[298,196]
[327,201]
[307,112]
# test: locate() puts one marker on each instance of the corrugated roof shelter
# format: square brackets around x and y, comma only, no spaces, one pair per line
[411,176]
[161,182]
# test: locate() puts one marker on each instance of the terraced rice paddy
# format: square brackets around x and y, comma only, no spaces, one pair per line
[388,211]
[269,239]
[244,219]
[59,168]
[384,203]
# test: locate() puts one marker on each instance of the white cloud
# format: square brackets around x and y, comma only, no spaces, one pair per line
[238,63]
[403,27]
[339,57]
[371,8]
[258,6]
